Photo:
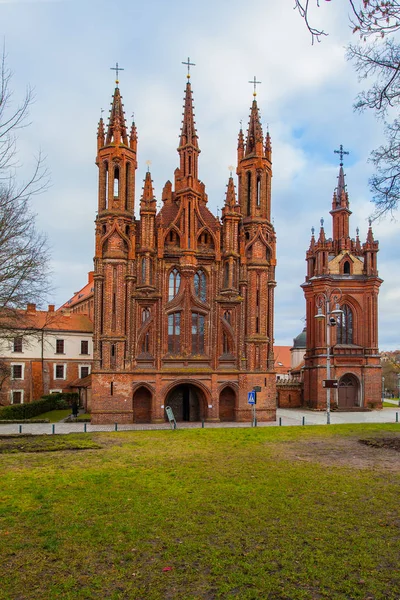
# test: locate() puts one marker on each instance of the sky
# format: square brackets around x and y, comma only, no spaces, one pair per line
[64,49]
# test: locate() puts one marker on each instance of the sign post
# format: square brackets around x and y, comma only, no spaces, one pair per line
[171,417]
[252,399]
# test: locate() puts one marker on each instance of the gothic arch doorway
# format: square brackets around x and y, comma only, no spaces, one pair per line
[142,405]
[348,391]
[227,403]
[187,402]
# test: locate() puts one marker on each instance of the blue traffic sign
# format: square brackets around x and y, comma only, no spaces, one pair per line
[251,397]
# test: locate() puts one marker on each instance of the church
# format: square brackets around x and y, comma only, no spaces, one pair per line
[183,300]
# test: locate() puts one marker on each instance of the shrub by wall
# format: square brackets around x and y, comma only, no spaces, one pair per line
[38,407]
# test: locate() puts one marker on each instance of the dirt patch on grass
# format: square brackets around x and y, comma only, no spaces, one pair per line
[44,443]
[380,453]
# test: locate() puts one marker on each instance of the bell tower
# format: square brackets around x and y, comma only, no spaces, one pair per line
[115,239]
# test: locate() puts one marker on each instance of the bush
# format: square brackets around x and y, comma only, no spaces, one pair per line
[32,409]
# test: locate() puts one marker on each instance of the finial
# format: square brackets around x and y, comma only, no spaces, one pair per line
[322,221]
[358,231]
[188,64]
[101,113]
[218,212]
[231,167]
[370,222]
[148,163]
[241,124]
[116,69]
[255,82]
[341,152]
[312,230]
[133,117]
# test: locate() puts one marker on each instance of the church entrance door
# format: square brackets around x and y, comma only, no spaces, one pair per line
[187,403]
[348,392]
[227,401]
[142,406]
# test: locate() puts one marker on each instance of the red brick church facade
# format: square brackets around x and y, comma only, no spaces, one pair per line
[343,271]
[183,301]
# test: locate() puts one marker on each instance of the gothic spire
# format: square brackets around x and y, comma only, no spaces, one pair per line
[268,148]
[188,130]
[133,137]
[240,148]
[254,142]
[100,134]
[148,193]
[230,199]
[116,132]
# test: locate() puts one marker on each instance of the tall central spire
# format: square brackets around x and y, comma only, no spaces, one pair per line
[116,132]
[254,142]
[188,145]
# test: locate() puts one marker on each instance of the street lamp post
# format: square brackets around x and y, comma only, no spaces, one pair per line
[383,390]
[324,300]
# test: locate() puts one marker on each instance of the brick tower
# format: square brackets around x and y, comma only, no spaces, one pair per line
[183,301]
[344,272]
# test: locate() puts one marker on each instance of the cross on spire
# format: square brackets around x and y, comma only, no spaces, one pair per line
[341,152]
[116,69]
[188,64]
[255,82]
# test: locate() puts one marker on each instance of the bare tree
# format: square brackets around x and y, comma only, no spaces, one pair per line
[24,252]
[377,58]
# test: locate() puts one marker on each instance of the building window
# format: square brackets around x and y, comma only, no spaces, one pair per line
[146,343]
[59,371]
[174,284]
[200,285]
[226,274]
[84,347]
[197,334]
[345,326]
[59,346]
[143,270]
[84,371]
[17,371]
[17,397]
[145,314]
[174,333]
[17,344]
[225,344]
[346,268]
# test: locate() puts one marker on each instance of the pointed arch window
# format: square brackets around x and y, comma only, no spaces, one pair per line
[226,274]
[145,314]
[200,285]
[248,193]
[143,270]
[227,316]
[116,182]
[346,268]
[345,326]
[258,191]
[197,333]
[225,344]
[174,283]
[174,333]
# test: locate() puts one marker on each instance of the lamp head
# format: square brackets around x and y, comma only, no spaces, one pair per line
[337,310]
[320,314]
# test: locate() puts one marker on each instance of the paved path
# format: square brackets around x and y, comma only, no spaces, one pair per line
[284,417]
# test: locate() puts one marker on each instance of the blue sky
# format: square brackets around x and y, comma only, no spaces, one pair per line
[65,48]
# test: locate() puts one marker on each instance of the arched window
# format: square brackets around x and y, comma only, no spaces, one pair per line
[145,314]
[226,274]
[248,193]
[146,342]
[174,333]
[197,334]
[116,182]
[225,344]
[143,270]
[258,191]
[174,284]
[345,326]
[200,285]
[227,316]
[346,268]
[127,183]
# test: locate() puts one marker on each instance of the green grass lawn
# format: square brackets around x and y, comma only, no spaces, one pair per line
[54,415]
[390,404]
[268,513]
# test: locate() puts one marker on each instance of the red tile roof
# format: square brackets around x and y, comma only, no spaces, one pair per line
[282,357]
[84,294]
[49,320]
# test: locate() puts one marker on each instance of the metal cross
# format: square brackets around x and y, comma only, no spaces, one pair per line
[188,64]
[341,152]
[148,163]
[231,167]
[255,82]
[116,69]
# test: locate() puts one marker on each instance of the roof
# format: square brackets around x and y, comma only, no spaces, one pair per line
[84,294]
[49,321]
[85,382]
[282,357]
[300,341]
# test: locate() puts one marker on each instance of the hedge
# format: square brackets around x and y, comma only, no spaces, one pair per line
[32,409]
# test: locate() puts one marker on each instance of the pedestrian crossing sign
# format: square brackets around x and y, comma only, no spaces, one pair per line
[251,397]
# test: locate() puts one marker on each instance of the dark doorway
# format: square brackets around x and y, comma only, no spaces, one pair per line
[187,403]
[227,400]
[142,406]
[348,392]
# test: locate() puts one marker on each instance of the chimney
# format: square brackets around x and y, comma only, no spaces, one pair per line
[51,307]
[31,307]
[90,276]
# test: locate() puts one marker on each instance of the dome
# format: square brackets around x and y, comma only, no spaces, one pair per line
[300,340]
